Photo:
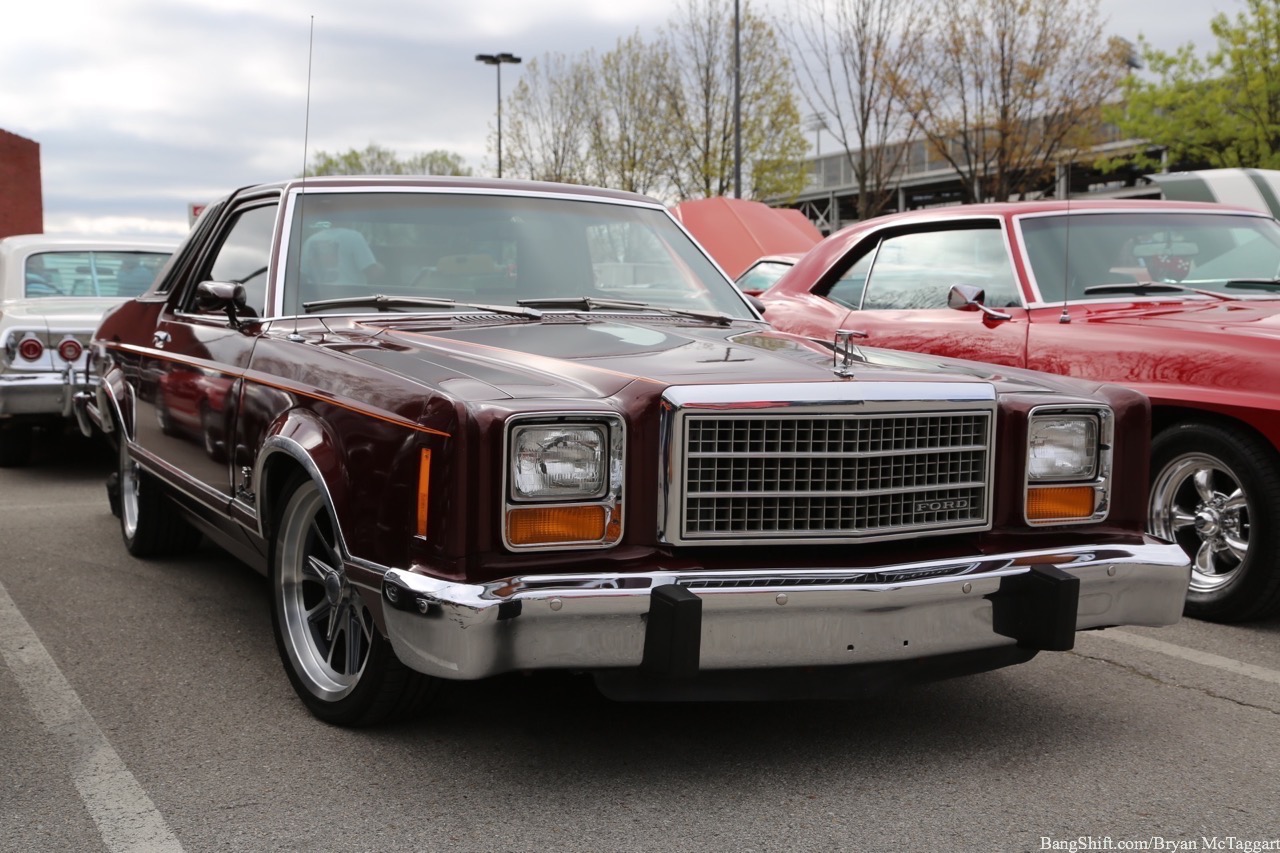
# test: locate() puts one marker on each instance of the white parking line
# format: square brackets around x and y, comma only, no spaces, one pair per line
[1261,673]
[126,818]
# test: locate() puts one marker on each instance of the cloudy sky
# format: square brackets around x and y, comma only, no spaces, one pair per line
[143,106]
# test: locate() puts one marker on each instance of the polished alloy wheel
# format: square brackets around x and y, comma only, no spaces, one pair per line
[326,629]
[128,490]
[1198,502]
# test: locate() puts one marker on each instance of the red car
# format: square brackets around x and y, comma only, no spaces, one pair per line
[1178,300]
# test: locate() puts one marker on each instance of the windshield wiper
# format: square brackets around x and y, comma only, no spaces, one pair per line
[1144,287]
[388,303]
[591,303]
[1253,284]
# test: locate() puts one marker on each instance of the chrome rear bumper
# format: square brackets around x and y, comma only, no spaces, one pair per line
[39,393]
[677,623]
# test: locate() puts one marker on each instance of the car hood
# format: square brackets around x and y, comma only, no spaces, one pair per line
[1245,317]
[597,357]
[65,312]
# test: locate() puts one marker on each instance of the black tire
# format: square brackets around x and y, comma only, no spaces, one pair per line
[342,668]
[1215,490]
[16,444]
[151,524]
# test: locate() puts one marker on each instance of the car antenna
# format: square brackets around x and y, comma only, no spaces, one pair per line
[302,191]
[1065,316]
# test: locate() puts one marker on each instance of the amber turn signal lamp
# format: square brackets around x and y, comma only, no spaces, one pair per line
[1060,503]
[424,487]
[559,524]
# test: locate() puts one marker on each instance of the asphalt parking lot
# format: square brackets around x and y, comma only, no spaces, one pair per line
[145,708]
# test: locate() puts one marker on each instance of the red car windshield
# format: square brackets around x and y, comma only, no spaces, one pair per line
[1078,256]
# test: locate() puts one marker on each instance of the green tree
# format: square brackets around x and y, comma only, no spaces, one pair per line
[1009,87]
[376,160]
[1221,111]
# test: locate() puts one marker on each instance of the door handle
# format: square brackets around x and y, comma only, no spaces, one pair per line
[160,339]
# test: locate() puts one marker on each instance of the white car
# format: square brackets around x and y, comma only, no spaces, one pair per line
[53,293]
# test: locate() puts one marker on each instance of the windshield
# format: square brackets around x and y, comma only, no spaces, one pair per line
[762,276]
[91,273]
[490,249]
[1202,250]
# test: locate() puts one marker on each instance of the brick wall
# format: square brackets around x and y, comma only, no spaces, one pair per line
[21,205]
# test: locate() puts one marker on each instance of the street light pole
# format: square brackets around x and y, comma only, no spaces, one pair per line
[737,100]
[496,60]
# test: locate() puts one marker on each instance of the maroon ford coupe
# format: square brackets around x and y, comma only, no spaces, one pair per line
[1178,300]
[471,427]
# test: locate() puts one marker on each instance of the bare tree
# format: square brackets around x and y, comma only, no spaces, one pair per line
[548,129]
[699,97]
[1010,86]
[628,139]
[851,57]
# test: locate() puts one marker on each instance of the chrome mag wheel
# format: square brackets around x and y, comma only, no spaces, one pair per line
[129,477]
[325,629]
[1197,500]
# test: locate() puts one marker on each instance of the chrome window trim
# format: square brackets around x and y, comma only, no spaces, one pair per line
[1038,297]
[292,192]
[935,227]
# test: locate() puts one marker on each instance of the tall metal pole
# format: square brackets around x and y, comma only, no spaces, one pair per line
[737,101]
[499,68]
[496,60]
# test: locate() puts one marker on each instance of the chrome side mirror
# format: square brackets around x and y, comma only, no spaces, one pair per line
[966,297]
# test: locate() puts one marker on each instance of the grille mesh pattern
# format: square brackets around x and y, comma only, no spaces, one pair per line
[853,475]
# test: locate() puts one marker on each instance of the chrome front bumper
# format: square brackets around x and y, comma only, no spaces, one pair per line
[679,623]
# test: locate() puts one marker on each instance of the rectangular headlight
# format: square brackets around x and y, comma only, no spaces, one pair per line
[1062,447]
[560,462]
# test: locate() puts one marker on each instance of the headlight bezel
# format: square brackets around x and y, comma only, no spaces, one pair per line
[601,504]
[1050,499]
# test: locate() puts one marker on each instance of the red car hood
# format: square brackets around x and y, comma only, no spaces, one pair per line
[1244,317]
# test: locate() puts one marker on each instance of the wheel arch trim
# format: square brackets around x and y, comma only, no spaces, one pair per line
[271,473]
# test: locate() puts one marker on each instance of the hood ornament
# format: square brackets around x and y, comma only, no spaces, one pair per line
[846,351]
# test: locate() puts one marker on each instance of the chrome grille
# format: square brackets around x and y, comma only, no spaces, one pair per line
[855,476]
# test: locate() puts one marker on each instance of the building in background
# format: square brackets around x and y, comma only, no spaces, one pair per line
[21,202]
[830,201]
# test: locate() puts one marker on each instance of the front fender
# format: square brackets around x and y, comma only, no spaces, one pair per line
[299,439]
